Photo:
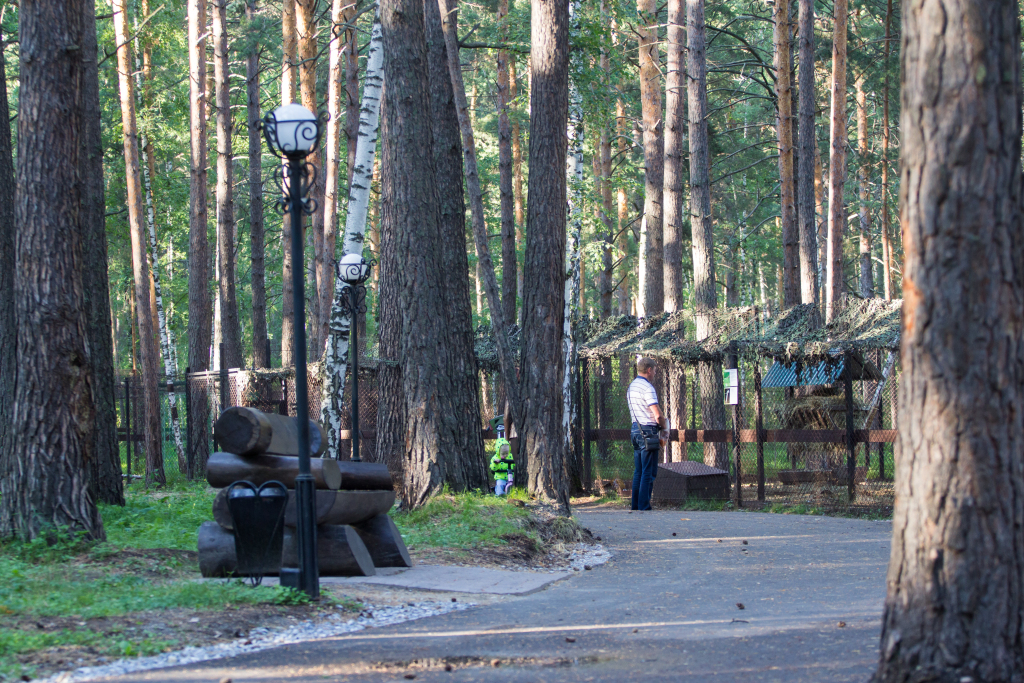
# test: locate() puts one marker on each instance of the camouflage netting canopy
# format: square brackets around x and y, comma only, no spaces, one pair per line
[796,334]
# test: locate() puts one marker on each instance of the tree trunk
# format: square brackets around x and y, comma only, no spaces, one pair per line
[544,277]
[199,314]
[837,166]
[230,330]
[260,348]
[351,87]
[148,352]
[410,209]
[289,85]
[517,175]
[808,153]
[705,298]
[867,287]
[485,267]
[461,366]
[8,325]
[46,456]
[107,485]
[622,204]
[787,183]
[886,240]
[955,598]
[336,357]
[653,291]
[505,180]
[675,119]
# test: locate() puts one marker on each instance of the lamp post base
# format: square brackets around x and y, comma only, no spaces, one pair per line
[309,571]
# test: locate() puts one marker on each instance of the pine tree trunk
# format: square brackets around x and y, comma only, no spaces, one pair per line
[808,153]
[485,266]
[955,599]
[652,294]
[819,208]
[45,478]
[148,351]
[886,240]
[199,313]
[289,87]
[230,329]
[517,175]
[461,366]
[787,183]
[544,278]
[336,357]
[705,297]
[675,123]
[837,166]
[505,179]
[622,205]
[8,325]
[257,240]
[867,286]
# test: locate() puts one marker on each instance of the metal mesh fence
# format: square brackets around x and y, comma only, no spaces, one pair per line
[802,448]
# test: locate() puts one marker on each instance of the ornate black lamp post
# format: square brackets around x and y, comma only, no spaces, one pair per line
[292,132]
[353,271]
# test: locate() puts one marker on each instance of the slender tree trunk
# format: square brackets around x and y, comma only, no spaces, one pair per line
[675,120]
[338,346]
[461,366]
[653,291]
[505,181]
[484,263]
[260,349]
[808,153]
[544,277]
[351,86]
[819,208]
[886,240]
[230,329]
[289,88]
[517,175]
[8,324]
[837,165]
[336,125]
[867,286]
[47,453]
[787,182]
[148,352]
[622,205]
[705,297]
[955,598]
[199,314]
[604,172]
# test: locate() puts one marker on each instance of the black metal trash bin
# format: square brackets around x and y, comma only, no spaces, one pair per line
[258,518]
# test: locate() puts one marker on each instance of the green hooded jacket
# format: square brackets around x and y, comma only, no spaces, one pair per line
[501,464]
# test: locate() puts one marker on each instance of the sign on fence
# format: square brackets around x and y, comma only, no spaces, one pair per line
[731,378]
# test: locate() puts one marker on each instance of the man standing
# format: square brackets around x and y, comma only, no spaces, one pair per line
[647,423]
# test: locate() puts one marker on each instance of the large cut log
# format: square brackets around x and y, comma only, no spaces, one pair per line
[216,551]
[364,476]
[340,551]
[332,507]
[384,541]
[223,469]
[248,431]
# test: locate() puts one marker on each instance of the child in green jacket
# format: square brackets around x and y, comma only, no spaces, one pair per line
[502,467]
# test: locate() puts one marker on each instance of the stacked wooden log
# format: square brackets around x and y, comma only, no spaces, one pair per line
[354,532]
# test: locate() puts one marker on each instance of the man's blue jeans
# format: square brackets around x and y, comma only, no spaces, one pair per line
[645,466]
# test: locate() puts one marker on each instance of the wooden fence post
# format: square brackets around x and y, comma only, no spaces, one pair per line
[759,427]
[128,423]
[737,496]
[588,478]
[189,457]
[851,446]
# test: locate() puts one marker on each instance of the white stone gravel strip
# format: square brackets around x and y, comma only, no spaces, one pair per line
[263,639]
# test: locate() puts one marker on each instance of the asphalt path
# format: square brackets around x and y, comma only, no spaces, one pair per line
[687,596]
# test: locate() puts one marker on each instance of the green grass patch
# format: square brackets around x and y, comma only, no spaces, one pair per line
[465,520]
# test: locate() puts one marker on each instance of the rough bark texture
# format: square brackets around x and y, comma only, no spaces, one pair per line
[886,241]
[47,456]
[306,32]
[148,352]
[808,153]
[705,298]
[837,165]
[544,276]
[351,87]
[867,287]
[410,209]
[675,135]
[260,351]
[652,294]
[199,313]
[517,175]
[460,361]
[8,326]
[230,330]
[289,87]
[622,206]
[787,183]
[955,603]
[107,485]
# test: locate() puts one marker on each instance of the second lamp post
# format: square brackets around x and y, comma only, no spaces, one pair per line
[353,271]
